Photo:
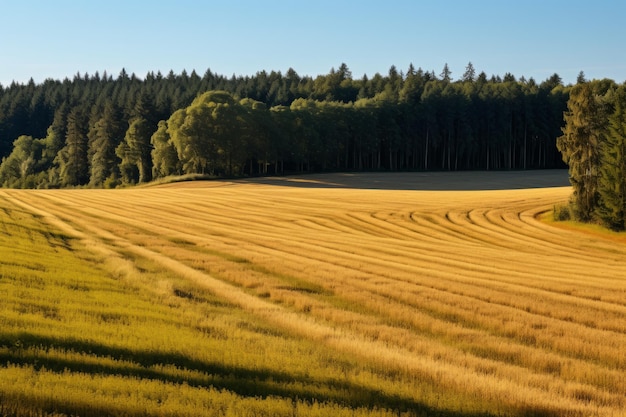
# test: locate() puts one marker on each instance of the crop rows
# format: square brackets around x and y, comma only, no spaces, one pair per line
[468,292]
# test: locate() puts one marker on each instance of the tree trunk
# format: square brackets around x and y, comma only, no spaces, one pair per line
[525,139]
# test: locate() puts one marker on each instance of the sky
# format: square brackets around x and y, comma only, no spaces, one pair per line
[534,38]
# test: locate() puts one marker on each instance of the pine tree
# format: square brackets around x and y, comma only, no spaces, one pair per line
[612,181]
[55,137]
[470,73]
[584,131]
[72,159]
[144,108]
[105,136]
[446,73]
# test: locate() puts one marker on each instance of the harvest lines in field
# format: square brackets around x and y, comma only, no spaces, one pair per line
[466,289]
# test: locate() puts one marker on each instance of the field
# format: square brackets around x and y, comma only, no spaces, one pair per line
[330,295]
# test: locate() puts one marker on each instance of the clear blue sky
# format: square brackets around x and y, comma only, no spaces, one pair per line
[534,38]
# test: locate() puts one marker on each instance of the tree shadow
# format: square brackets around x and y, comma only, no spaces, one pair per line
[427,181]
[259,383]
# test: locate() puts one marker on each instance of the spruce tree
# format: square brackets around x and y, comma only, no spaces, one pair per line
[446,74]
[55,138]
[612,180]
[105,136]
[72,160]
[580,147]
[470,73]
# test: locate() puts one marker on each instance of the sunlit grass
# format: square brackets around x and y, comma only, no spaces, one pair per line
[588,228]
[77,339]
[304,301]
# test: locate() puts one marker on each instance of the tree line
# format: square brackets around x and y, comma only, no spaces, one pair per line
[100,131]
[593,144]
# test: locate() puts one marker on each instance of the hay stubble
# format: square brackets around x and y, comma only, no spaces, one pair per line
[467,289]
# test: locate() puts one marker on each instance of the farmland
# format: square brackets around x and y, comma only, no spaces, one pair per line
[365,294]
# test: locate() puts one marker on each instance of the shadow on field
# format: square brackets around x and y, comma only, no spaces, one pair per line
[242,381]
[429,181]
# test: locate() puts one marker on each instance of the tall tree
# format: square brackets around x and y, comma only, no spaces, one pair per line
[612,167]
[228,128]
[256,134]
[583,134]
[104,137]
[72,160]
[446,74]
[164,157]
[470,73]
[134,152]
[55,137]
[208,135]
[282,132]
[21,163]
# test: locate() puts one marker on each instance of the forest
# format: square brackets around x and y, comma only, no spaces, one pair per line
[104,131]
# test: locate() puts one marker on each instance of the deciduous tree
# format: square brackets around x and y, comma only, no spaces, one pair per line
[164,157]
[134,152]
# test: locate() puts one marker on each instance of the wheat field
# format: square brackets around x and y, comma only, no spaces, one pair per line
[447,293]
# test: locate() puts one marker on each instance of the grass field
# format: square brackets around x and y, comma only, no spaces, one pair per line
[357,295]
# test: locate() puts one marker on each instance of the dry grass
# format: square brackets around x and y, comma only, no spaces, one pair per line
[465,290]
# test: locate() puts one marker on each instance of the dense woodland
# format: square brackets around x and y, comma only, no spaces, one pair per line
[104,131]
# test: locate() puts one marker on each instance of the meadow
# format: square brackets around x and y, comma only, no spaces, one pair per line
[331,295]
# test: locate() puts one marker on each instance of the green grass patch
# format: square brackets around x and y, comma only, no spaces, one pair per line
[173,179]
[593,229]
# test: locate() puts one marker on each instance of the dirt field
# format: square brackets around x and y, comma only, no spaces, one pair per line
[433,181]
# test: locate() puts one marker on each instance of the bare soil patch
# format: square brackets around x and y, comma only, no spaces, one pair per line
[432,181]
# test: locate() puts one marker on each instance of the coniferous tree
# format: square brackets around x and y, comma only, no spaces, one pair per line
[583,134]
[612,166]
[55,137]
[446,74]
[104,137]
[393,85]
[552,82]
[72,162]
[470,73]
[144,108]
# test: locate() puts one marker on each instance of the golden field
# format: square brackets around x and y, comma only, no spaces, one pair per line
[365,294]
